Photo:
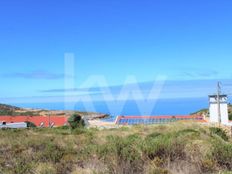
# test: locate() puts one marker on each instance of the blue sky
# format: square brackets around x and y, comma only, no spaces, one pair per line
[181,40]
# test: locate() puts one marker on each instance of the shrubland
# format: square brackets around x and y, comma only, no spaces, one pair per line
[156,149]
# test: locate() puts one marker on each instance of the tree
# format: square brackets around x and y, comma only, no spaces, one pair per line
[76,121]
[30,124]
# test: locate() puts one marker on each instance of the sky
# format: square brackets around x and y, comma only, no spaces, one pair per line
[188,43]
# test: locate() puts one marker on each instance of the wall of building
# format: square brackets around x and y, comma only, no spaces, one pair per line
[224,114]
[13,125]
[213,110]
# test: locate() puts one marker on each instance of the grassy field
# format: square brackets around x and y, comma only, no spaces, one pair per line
[158,149]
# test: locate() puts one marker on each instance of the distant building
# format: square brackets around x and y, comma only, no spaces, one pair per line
[214,109]
[13,125]
[39,121]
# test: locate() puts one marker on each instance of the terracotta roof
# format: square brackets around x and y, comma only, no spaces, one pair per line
[37,120]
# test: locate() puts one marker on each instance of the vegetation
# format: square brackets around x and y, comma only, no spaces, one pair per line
[30,124]
[162,149]
[220,132]
[8,110]
[201,112]
[76,121]
[8,107]
[230,115]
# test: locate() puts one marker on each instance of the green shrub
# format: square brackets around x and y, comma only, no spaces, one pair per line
[78,131]
[63,127]
[154,135]
[230,116]
[137,150]
[51,152]
[6,112]
[166,146]
[220,132]
[76,121]
[156,170]
[30,124]
[222,153]
[45,168]
[21,166]
[122,155]
[226,172]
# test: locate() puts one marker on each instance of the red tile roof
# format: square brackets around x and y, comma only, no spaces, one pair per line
[37,120]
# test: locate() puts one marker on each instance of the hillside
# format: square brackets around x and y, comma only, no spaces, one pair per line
[8,110]
[14,111]
[206,112]
[179,148]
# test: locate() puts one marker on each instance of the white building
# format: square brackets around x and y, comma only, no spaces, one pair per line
[213,109]
[13,125]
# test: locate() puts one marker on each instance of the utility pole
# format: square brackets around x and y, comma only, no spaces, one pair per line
[49,119]
[219,103]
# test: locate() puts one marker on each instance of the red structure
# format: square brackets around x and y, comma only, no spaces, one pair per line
[37,120]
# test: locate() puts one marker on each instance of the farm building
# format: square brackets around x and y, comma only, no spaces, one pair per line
[13,125]
[40,121]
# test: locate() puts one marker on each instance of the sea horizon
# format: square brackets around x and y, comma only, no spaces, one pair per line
[183,106]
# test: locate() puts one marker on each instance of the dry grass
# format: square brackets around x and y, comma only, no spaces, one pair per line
[162,149]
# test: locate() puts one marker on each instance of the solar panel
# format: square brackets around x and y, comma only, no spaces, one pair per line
[133,120]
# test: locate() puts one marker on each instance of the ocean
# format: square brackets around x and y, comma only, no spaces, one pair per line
[183,106]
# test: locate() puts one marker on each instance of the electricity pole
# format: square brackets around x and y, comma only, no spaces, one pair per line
[219,103]
[49,119]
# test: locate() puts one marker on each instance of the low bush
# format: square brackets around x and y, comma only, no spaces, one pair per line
[219,132]
[173,148]
[76,121]
[222,154]
[164,146]
[230,116]
[30,124]
[122,155]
